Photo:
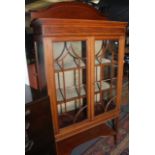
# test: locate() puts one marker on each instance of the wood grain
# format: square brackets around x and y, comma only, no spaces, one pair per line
[120,70]
[50,81]
[65,147]
[70,10]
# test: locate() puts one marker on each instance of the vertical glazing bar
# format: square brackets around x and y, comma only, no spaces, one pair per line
[59,87]
[111,73]
[96,82]
[101,77]
[75,101]
[79,78]
[78,89]
[64,85]
[100,82]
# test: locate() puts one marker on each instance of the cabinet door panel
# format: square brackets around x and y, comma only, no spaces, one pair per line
[106,64]
[70,68]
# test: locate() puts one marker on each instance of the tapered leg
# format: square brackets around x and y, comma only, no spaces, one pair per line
[116,127]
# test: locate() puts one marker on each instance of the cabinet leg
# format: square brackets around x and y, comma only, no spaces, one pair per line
[116,127]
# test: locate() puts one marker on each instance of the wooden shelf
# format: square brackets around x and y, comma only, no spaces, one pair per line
[67,118]
[74,92]
[71,65]
[72,95]
[70,106]
[102,61]
[104,86]
[74,65]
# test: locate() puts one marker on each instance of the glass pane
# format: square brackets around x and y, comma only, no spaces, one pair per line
[106,57]
[70,76]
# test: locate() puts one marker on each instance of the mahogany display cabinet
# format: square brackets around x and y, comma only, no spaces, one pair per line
[80,61]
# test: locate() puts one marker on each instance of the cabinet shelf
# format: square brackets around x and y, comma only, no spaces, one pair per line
[104,86]
[71,65]
[68,118]
[72,93]
[76,64]
[102,61]
[68,107]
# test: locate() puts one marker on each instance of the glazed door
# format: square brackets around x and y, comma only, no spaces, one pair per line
[105,75]
[71,63]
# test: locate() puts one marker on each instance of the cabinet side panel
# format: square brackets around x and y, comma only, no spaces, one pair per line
[120,70]
[40,64]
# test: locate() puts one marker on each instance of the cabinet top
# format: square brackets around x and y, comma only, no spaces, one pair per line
[77,27]
[68,10]
[74,18]
[84,22]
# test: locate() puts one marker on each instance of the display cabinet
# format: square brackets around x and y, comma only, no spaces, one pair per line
[81,63]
